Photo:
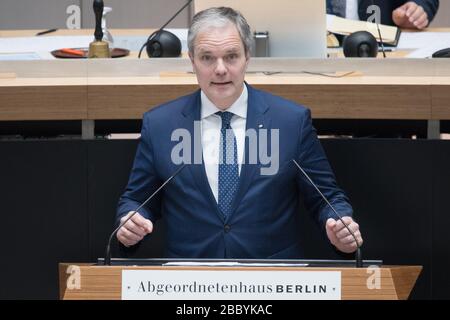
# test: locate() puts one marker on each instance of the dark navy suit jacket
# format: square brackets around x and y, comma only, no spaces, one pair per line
[387,6]
[265,220]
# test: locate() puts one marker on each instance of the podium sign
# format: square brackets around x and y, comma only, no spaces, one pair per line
[230,285]
[89,281]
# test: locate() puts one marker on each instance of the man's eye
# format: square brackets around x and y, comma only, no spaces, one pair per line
[232,56]
[206,58]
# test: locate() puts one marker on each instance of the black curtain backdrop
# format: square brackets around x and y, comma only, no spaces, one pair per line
[58,201]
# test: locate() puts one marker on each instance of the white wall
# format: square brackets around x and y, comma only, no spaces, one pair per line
[442,19]
[46,14]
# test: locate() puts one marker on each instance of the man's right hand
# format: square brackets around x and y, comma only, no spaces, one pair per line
[134,230]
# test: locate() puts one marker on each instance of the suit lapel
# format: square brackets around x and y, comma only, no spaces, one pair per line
[191,115]
[256,120]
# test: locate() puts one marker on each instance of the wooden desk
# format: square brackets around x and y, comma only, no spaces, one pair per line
[398,89]
[421,94]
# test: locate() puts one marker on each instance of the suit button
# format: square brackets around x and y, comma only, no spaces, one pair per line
[227,228]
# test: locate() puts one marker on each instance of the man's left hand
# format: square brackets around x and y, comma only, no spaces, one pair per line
[340,237]
[410,16]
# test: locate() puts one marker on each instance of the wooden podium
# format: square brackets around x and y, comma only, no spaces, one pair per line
[105,282]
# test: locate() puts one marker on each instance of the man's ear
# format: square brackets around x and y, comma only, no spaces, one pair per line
[191,57]
[247,59]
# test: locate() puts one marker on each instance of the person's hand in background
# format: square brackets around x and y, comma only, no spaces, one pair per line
[410,16]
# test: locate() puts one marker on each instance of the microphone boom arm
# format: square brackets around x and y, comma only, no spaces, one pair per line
[358,255]
[108,247]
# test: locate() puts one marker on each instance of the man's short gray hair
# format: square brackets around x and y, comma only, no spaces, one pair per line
[217,18]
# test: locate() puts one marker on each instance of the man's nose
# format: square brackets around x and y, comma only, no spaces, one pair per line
[221,68]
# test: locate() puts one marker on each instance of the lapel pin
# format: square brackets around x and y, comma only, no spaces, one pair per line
[260,126]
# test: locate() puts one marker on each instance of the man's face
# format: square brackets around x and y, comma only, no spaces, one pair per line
[220,63]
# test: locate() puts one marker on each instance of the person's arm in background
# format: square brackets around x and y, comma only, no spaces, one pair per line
[142,183]
[416,14]
[313,160]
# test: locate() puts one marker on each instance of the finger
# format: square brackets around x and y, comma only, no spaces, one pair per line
[360,240]
[422,26]
[127,217]
[351,247]
[340,224]
[124,240]
[342,234]
[130,225]
[422,22]
[133,227]
[130,235]
[400,12]
[353,228]
[329,230]
[139,220]
[349,238]
[331,223]
[399,16]
[410,8]
[143,223]
[416,14]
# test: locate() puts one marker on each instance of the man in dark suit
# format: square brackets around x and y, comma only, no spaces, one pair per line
[230,202]
[416,14]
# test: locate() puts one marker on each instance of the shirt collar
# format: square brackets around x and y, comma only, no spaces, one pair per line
[239,107]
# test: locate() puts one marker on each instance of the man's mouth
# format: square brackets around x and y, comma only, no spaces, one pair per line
[221,83]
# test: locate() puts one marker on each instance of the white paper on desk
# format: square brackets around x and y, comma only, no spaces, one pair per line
[233,264]
[19,56]
[36,44]
[50,43]
[425,43]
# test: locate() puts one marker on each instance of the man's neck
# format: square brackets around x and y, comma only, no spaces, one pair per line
[227,104]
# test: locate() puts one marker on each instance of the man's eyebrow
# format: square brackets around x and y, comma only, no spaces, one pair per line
[233,50]
[204,51]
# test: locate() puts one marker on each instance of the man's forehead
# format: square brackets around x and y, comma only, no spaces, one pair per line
[209,48]
[223,38]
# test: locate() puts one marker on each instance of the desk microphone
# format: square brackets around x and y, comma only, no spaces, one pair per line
[108,247]
[379,33]
[163,43]
[358,257]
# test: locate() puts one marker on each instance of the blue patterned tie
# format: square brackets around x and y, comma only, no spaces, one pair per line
[228,165]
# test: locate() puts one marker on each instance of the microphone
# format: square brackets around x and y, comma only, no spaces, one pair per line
[162,43]
[107,261]
[360,44]
[379,33]
[358,257]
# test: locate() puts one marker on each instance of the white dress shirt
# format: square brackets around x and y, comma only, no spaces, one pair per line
[211,125]
[351,10]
